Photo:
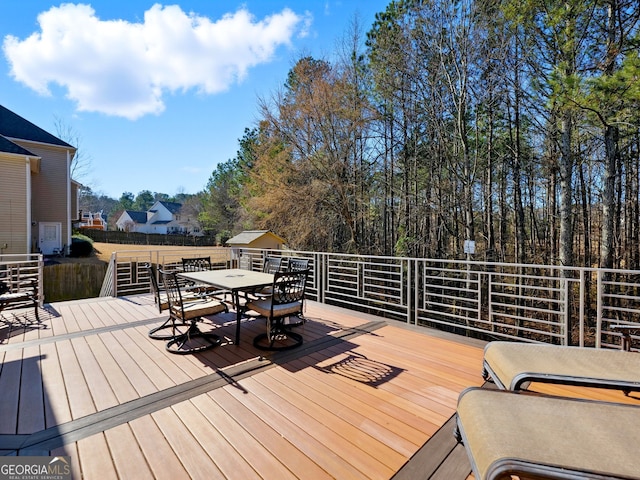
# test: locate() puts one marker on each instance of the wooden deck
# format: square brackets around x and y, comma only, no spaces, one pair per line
[361,399]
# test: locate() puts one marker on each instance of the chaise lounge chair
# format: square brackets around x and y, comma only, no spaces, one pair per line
[537,436]
[512,366]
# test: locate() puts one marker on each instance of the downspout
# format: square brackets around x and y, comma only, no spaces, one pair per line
[68,241]
[28,215]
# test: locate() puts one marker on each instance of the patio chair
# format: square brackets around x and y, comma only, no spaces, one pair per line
[245,262]
[199,264]
[538,436]
[514,366]
[17,295]
[164,331]
[296,264]
[286,301]
[196,264]
[186,310]
[271,265]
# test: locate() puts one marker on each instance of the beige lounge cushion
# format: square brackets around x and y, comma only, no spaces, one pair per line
[513,363]
[505,429]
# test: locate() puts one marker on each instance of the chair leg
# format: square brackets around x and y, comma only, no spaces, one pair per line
[192,341]
[156,332]
[277,338]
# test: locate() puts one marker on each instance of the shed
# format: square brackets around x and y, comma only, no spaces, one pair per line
[264,239]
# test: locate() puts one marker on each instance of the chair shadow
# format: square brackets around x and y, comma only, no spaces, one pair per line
[362,369]
[17,322]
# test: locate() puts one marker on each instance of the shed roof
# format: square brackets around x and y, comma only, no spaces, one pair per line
[249,236]
[13,125]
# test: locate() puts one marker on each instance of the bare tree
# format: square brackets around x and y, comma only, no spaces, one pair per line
[81,163]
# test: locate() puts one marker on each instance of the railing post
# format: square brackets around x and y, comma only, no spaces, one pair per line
[417,296]
[320,275]
[40,279]
[599,308]
[411,293]
[567,309]
[582,302]
[114,259]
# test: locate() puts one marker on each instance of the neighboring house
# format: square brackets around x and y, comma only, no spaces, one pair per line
[265,239]
[38,198]
[163,218]
[93,221]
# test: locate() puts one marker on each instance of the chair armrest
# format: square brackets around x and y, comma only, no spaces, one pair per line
[626,331]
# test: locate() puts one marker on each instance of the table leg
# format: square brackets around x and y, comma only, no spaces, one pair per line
[236,299]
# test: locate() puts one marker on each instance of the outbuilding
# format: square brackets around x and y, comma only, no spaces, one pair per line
[262,239]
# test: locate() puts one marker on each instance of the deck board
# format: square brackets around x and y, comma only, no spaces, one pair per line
[157,451]
[31,419]
[128,459]
[10,391]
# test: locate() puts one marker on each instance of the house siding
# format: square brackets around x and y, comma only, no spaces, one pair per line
[49,189]
[13,204]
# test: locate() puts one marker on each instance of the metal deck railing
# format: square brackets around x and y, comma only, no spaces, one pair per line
[542,303]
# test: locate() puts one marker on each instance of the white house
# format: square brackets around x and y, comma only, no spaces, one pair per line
[163,218]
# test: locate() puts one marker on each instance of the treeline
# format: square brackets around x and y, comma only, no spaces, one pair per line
[512,123]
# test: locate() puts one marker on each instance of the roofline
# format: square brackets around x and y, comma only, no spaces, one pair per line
[63,147]
[21,155]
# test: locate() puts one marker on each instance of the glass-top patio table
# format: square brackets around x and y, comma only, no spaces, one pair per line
[235,280]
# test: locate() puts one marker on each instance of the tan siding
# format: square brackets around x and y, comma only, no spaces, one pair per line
[266,242]
[13,205]
[49,187]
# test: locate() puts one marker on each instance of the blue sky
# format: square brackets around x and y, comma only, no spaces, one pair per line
[159,93]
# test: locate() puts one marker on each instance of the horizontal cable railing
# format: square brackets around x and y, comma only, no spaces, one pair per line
[536,303]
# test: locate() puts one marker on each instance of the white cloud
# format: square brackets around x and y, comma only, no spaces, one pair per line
[123,69]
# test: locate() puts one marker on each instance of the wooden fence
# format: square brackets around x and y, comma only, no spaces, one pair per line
[72,281]
[134,238]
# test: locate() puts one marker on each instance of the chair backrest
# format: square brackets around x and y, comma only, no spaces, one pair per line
[172,290]
[196,264]
[289,287]
[155,289]
[297,264]
[272,265]
[245,262]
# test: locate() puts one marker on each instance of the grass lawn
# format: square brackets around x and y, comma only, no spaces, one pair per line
[102,252]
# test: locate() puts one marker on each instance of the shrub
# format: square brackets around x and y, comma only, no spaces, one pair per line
[81,246]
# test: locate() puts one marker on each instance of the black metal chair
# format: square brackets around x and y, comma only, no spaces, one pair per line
[286,301]
[19,294]
[200,264]
[196,264]
[272,265]
[186,310]
[297,264]
[164,331]
[245,262]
